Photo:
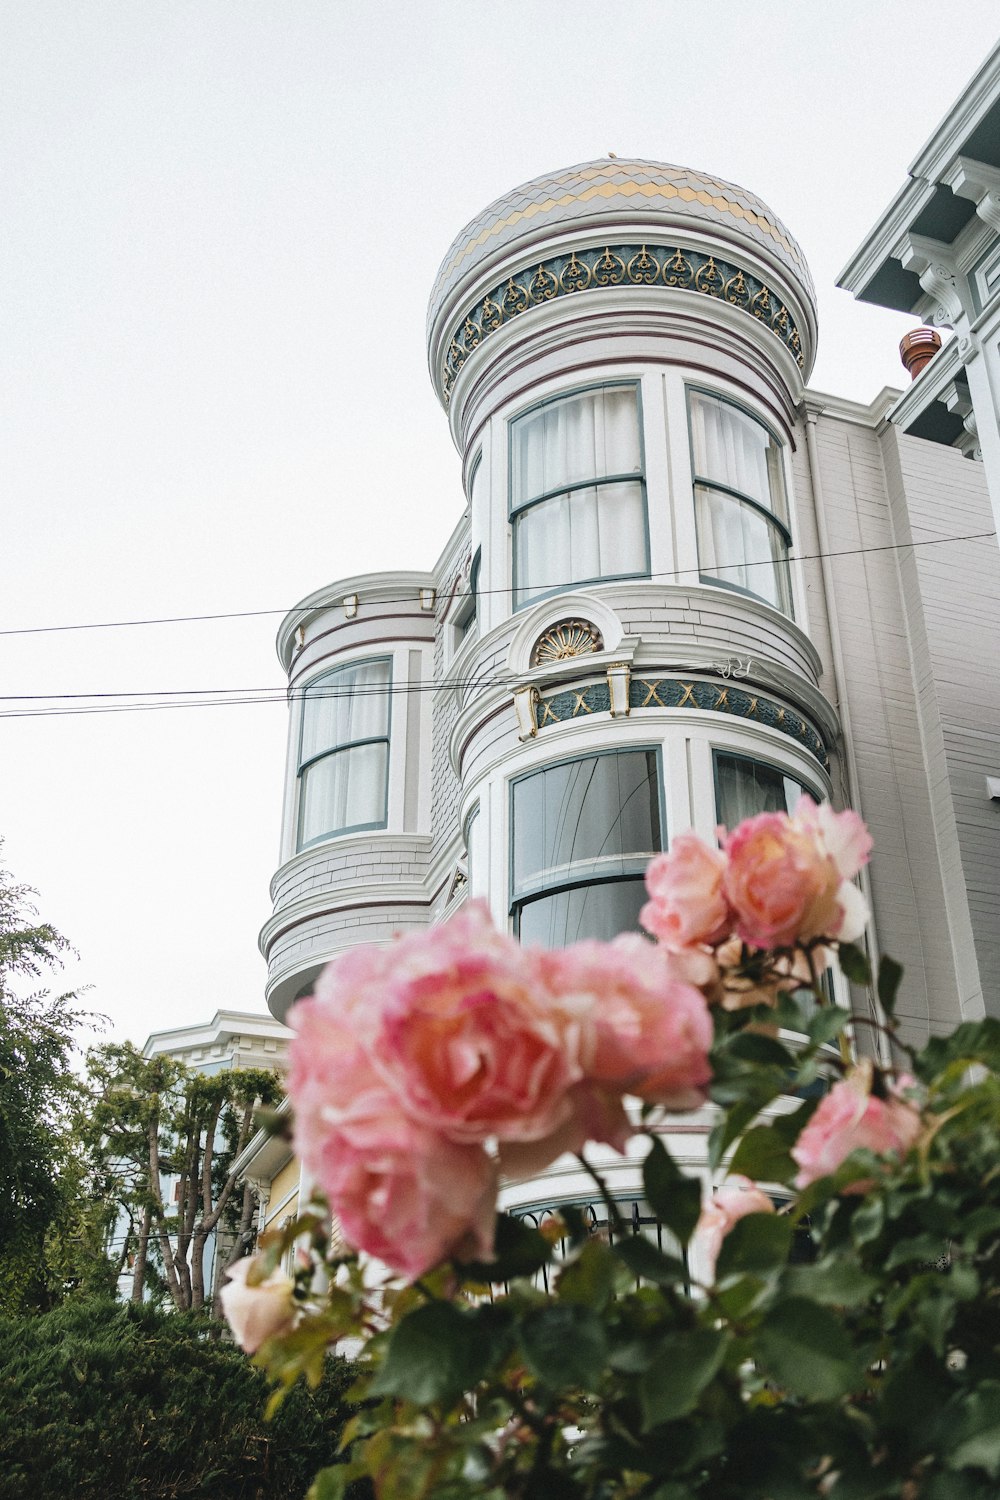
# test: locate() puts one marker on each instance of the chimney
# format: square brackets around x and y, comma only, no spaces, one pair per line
[918,348]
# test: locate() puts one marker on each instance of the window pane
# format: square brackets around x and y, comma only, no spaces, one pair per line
[735,449]
[349,704]
[591,817]
[586,436]
[747,787]
[599,532]
[739,546]
[343,790]
[585,911]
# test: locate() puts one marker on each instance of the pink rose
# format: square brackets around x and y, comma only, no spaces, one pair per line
[733,1201]
[687,902]
[458,1021]
[403,1193]
[650,1034]
[850,1118]
[257,1311]
[786,876]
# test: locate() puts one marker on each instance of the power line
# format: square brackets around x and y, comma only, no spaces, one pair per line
[249,614]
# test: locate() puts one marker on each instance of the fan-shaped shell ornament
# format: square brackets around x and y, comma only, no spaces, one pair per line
[565,639]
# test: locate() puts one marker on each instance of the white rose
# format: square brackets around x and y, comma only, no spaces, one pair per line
[254,1313]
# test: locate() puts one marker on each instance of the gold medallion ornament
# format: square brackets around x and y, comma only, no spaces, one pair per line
[565,639]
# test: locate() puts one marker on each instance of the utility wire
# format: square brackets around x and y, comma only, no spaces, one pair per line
[249,614]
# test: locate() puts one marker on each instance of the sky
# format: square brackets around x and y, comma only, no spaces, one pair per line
[222,220]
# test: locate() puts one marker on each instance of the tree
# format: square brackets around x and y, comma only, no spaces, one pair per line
[38,1089]
[164,1138]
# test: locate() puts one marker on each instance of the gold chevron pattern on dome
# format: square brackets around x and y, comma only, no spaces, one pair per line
[615,191]
[629,189]
[587,270]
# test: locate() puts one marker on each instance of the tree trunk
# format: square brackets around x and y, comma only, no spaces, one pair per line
[139,1268]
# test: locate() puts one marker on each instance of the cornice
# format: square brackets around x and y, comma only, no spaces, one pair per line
[978,96]
[822,404]
[370,588]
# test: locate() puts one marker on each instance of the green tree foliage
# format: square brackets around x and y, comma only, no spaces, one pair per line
[104,1401]
[38,1093]
[162,1139]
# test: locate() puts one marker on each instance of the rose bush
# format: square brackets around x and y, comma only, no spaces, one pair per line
[815,1313]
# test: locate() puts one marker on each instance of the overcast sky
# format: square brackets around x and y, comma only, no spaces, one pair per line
[222,220]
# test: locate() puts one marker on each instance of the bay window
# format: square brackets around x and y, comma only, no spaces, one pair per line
[577,493]
[344,751]
[584,831]
[741,510]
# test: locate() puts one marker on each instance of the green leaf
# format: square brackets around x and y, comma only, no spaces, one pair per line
[757,1245]
[436,1353]
[972,1436]
[805,1348]
[683,1366]
[732,1124]
[973,1041]
[674,1198]
[764,1156]
[332,1483]
[838,1282]
[565,1345]
[867,1220]
[827,1023]
[854,963]
[889,975]
[765,1051]
[589,1278]
[929,1248]
[645,1260]
[519,1250]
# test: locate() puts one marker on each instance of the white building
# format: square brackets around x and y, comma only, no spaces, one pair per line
[684,586]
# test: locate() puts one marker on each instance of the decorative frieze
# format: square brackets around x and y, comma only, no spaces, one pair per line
[596,270]
[708,696]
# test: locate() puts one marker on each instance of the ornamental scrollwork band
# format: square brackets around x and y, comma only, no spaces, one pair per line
[679,692]
[616,265]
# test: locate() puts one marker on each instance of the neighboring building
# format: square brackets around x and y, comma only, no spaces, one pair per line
[231,1039]
[684,588]
[935,252]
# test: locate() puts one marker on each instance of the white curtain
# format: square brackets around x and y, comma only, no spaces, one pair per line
[732,448]
[748,787]
[346,787]
[596,532]
[740,547]
[347,705]
[344,790]
[583,437]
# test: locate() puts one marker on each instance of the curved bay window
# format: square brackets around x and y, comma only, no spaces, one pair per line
[344,751]
[583,833]
[577,494]
[741,510]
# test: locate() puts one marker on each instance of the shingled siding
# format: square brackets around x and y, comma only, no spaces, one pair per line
[950,592]
[372,857]
[894,791]
[315,938]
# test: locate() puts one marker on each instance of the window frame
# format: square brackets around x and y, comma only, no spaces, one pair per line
[514,512]
[515,902]
[303,766]
[700,481]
